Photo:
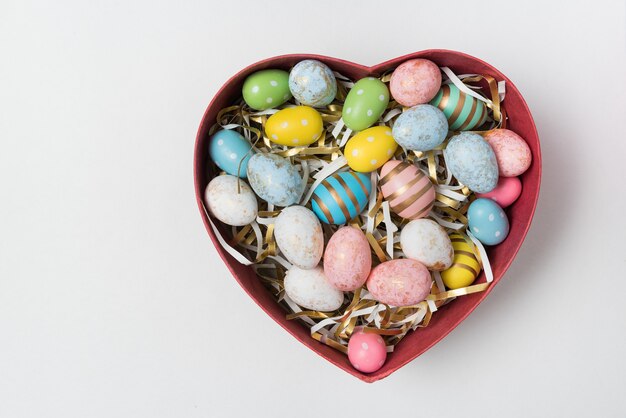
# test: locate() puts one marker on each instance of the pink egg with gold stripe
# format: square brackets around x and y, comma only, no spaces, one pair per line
[408,190]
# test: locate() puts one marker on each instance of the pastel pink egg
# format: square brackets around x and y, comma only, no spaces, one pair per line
[347,259]
[415,82]
[408,190]
[400,282]
[506,192]
[512,152]
[366,351]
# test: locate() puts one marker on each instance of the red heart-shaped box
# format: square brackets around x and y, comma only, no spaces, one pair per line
[449,316]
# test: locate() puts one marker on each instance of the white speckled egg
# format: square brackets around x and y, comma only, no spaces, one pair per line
[229,206]
[310,289]
[299,236]
[426,241]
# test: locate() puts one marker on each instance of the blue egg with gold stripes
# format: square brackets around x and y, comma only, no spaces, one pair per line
[341,197]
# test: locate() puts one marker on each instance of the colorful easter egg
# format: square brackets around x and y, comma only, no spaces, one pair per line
[366,351]
[310,289]
[420,128]
[274,179]
[341,197]
[347,259]
[230,152]
[365,103]
[266,89]
[472,161]
[312,83]
[408,190]
[415,82]
[370,149]
[400,282]
[512,152]
[294,126]
[506,192]
[426,241]
[299,236]
[464,112]
[465,265]
[487,221]
[231,200]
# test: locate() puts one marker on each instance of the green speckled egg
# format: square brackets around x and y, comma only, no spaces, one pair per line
[464,112]
[266,89]
[365,103]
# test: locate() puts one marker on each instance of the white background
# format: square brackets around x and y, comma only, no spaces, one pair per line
[113,302]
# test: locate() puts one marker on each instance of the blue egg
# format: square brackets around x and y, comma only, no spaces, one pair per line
[274,179]
[227,149]
[312,83]
[487,221]
[472,161]
[420,128]
[341,197]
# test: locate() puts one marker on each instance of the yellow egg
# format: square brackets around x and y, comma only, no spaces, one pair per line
[465,265]
[294,126]
[370,149]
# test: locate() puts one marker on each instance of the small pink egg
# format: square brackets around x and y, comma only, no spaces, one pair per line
[400,282]
[347,259]
[512,152]
[506,192]
[366,351]
[415,82]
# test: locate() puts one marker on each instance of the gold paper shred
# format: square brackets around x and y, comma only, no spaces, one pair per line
[376,247]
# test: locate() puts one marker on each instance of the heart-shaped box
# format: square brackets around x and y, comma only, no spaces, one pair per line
[449,316]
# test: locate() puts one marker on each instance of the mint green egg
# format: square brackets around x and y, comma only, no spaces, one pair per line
[266,89]
[464,112]
[365,103]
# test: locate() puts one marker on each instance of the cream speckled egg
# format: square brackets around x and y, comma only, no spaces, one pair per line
[310,289]
[227,204]
[426,241]
[299,236]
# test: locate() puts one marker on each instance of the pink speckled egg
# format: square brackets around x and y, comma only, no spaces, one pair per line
[408,190]
[506,192]
[366,351]
[415,82]
[512,152]
[401,282]
[347,259]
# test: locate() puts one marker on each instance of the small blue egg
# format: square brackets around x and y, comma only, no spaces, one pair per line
[420,128]
[274,179]
[472,161]
[227,149]
[487,221]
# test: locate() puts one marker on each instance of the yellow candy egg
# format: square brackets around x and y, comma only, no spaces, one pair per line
[294,126]
[370,149]
[465,265]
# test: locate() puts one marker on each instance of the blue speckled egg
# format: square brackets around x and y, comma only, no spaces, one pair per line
[472,161]
[227,149]
[341,197]
[274,179]
[487,221]
[420,128]
[312,83]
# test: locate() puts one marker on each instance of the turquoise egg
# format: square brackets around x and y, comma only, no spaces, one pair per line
[341,197]
[420,128]
[274,179]
[487,221]
[472,161]
[463,111]
[227,149]
[365,103]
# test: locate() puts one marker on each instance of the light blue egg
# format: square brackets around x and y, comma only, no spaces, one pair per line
[487,221]
[420,128]
[227,149]
[274,179]
[472,161]
[312,83]
[341,197]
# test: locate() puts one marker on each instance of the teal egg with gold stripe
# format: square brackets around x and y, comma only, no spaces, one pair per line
[463,111]
[341,197]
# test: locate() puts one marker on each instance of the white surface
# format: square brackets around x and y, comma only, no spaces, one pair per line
[110,289]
